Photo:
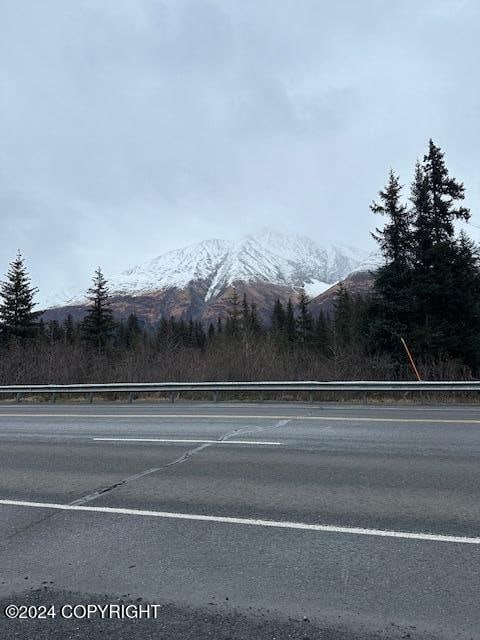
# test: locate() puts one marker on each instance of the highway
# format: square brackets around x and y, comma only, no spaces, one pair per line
[243,520]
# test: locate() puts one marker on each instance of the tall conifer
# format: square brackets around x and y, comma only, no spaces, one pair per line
[98,325]
[17,317]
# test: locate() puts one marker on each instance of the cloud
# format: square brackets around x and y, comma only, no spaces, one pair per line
[133,126]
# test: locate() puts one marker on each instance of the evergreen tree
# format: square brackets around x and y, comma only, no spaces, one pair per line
[54,331]
[211,332]
[98,325]
[191,340]
[255,324]
[445,194]
[200,337]
[443,264]
[133,331]
[322,337]
[394,239]
[245,315]
[232,327]
[121,335]
[177,330]
[290,324]
[427,291]
[304,318]
[41,330]
[278,318]
[17,317]
[69,329]
[163,335]
[251,325]
[390,311]
[420,214]
[343,318]
[463,312]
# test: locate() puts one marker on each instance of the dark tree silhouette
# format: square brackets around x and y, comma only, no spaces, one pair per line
[98,325]
[17,317]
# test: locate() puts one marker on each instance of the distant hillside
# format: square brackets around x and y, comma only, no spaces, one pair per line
[197,281]
[357,283]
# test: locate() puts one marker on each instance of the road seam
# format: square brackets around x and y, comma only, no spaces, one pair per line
[183,458]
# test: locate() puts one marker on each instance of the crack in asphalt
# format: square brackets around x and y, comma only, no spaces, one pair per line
[183,458]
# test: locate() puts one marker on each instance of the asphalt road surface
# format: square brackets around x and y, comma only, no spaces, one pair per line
[241,521]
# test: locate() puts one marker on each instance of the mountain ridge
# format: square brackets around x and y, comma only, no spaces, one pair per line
[197,279]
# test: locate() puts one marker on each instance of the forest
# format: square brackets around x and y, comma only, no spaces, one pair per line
[427,291]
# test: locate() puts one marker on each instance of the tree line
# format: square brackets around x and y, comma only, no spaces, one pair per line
[290,324]
[427,291]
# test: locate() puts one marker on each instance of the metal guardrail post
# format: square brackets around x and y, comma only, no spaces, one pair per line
[130,398]
[18,398]
[90,397]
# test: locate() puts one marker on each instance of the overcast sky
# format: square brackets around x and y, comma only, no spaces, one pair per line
[130,127]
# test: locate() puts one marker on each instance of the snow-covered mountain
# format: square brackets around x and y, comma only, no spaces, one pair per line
[175,269]
[191,280]
[267,257]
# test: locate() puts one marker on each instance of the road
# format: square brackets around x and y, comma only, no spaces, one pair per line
[243,520]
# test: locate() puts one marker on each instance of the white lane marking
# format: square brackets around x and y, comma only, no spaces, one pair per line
[184,440]
[302,526]
[234,417]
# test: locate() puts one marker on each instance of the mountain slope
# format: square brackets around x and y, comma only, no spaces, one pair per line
[196,281]
[358,283]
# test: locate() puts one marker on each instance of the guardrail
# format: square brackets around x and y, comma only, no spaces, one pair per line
[173,388]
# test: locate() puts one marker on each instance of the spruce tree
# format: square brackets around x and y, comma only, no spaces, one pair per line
[163,337]
[232,326]
[69,329]
[133,331]
[428,291]
[211,332]
[343,318]
[17,317]
[190,338]
[304,318]
[97,326]
[390,311]
[54,331]
[255,324]
[278,318]
[245,315]
[443,264]
[322,337]
[394,239]
[464,308]
[290,323]
[445,195]
[200,336]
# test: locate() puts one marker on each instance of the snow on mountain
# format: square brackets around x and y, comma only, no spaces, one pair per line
[315,287]
[268,257]
[173,269]
[288,260]
[371,262]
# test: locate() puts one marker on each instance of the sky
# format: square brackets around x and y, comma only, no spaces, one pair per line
[131,127]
